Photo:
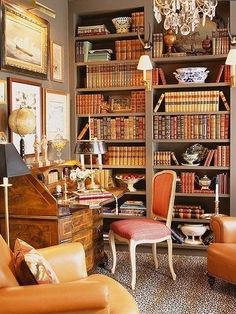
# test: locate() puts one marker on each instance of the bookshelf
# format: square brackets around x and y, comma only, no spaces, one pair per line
[92,12]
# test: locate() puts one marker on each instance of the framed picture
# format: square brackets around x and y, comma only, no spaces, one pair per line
[3,91]
[24,42]
[56,114]
[120,103]
[26,94]
[57,62]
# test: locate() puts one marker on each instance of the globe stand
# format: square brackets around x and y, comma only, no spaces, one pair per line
[22,147]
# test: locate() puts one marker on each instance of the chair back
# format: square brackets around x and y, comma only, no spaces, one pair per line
[163,195]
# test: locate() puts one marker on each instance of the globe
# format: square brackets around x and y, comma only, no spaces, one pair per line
[22,121]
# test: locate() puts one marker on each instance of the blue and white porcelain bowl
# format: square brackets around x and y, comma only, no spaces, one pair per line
[191,75]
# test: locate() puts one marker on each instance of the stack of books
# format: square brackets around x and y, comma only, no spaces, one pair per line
[133,208]
[92,30]
[100,55]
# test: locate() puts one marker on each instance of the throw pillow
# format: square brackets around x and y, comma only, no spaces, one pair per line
[30,266]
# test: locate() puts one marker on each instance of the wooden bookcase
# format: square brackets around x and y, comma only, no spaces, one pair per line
[92,13]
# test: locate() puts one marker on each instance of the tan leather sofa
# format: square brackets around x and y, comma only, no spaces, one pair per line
[76,293]
[221,255]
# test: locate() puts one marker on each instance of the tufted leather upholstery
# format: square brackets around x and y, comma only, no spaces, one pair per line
[76,292]
[221,255]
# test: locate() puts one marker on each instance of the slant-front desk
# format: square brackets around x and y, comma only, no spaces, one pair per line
[40,219]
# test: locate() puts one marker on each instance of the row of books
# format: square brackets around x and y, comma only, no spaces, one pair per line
[125,155]
[165,158]
[219,156]
[223,179]
[92,195]
[157,45]
[82,50]
[113,75]
[193,101]
[89,103]
[188,211]
[220,41]
[199,126]
[104,178]
[92,30]
[109,128]
[52,177]
[137,21]
[223,74]
[96,103]
[129,49]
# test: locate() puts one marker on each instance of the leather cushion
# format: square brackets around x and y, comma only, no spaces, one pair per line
[30,266]
[140,229]
[221,261]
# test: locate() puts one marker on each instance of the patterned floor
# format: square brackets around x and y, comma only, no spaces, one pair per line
[157,293]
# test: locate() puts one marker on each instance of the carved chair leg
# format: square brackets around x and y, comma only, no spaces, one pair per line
[113,250]
[132,250]
[211,280]
[154,253]
[169,242]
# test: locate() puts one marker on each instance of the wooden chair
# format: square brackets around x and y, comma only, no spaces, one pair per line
[148,230]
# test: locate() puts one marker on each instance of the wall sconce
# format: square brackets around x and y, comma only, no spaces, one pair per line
[231,60]
[145,64]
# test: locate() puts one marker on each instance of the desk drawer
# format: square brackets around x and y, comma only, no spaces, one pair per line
[85,237]
[82,219]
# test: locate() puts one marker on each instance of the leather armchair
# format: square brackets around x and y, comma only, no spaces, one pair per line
[221,255]
[76,293]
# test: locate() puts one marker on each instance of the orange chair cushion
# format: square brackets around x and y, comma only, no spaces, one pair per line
[140,229]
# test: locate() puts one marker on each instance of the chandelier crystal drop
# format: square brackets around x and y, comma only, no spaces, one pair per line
[184,15]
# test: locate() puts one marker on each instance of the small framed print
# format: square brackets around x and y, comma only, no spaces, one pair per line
[120,103]
[57,62]
[3,91]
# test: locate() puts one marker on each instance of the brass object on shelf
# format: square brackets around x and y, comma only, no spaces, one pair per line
[170,39]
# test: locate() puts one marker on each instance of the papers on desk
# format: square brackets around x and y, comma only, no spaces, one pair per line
[92,195]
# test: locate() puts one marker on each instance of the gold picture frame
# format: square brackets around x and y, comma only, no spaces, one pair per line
[120,103]
[24,42]
[57,62]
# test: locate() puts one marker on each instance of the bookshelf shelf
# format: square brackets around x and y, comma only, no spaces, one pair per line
[122,167]
[190,85]
[108,37]
[110,114]
[192,167]
[211,195]
[188,113]
[81,64]
[104,89]
[190,59]
[192,141]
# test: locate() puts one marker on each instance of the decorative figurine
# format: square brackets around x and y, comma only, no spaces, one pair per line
[44,148]
[37,161]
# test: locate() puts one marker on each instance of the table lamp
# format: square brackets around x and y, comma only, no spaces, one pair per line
[12,165]
[91,147]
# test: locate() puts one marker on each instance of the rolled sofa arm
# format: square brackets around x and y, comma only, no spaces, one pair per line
[224,229]
[67,260]
[68,297]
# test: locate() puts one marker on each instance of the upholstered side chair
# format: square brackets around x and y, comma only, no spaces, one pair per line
[148,230]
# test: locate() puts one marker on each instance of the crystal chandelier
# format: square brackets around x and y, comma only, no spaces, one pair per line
[184,15]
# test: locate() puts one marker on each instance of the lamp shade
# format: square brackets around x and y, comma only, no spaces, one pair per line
[90,147]
[144,63]
[231,58]
[11,165]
